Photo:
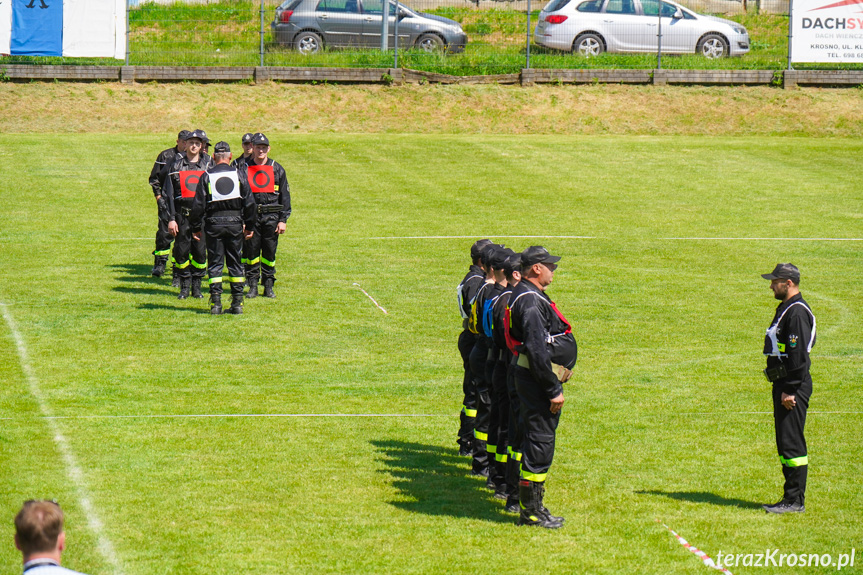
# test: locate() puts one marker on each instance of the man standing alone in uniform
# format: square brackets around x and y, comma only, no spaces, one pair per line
[224,199]
[787,344]
[163,236]
[272,195]
[546,355]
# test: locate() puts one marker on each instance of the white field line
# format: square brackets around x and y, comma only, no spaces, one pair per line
[240,415]
[76,475]
[810,412]
[693,239]
[371,298]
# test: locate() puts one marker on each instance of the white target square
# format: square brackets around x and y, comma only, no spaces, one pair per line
[224,186]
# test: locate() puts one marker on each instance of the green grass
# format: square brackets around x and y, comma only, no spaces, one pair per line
[229,34]
[666,417]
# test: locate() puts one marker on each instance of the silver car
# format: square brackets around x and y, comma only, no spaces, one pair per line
[309,25]
[591,27]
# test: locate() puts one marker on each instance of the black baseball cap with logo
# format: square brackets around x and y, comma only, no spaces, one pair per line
[499,257]
[222,148]
[247,138]
[537,255]
[784,272]
[183,135]
[199,134]
[260,139]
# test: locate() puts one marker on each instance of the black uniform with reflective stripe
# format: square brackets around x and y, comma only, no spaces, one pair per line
[203,207]
[281,195]
[794,333]
[165,158]
[534,323]
[172,190]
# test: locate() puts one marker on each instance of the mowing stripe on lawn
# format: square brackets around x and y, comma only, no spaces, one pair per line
[72,467]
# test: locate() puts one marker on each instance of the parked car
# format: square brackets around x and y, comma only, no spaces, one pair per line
[591,27]
[309,25]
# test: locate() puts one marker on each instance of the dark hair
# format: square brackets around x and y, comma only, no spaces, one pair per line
[38,525]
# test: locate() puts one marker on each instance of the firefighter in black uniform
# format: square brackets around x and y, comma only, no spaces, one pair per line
[466,292]
[513,428]
[787,344]
[248,148]
[190,256]
[546,356]
[224,200]
[498,421]
[163,236]
[269,184]
[479,366]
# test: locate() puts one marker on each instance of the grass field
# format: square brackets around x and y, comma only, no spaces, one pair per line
[667,417]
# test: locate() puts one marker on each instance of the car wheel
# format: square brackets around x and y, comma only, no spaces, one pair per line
[308,43]
[588,45]
[713,46]
[430,43]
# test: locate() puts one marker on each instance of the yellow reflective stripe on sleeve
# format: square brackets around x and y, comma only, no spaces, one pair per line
[217,280]
[267,262]
[235,280]
[794,461]
[480,435]
[197,265]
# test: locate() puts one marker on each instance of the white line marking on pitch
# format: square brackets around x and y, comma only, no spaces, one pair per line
[770,239]
[471,237]
[76,475]
[371,298]
[212,415]
[693,239]
[705,558]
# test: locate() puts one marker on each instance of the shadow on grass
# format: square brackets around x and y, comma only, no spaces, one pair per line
[702,497]
[174,308]
[435,481]
[140,274]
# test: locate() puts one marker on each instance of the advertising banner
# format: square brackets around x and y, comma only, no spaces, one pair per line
[827,31]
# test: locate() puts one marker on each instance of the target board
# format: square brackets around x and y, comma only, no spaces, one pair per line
[224,186]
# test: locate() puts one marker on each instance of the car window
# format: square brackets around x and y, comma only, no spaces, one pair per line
[375,6]
[338,6]
[555,5]
[650,8]
[620,7]
[590,6]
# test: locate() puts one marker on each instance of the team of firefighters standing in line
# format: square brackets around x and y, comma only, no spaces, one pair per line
[242,206]
[518,350]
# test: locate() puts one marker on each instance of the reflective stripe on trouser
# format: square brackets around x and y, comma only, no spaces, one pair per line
[188,252]
[790,440]
[224,246]
[466,341]
[477,360]
[540,427]
[259,251]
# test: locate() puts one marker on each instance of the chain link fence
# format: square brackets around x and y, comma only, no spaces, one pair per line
[460,37]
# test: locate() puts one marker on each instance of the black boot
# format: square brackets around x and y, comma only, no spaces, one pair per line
[215,304]
[479,465]
[512,469]
[185,284]
[530,500]
[175,279]
[236,304]
[159,263]
[253,288]
[465,446]
[268,288]
[196,288]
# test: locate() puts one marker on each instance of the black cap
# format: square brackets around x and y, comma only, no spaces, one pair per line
[183,134]
[499,256]
[247,138]
[488,252]
[537,255]
[259,138]
[203,136]
[784,272]
[512,263]
[199,134]
[222,148]
[476,248]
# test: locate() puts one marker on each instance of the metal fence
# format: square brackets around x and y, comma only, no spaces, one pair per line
[457,36]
